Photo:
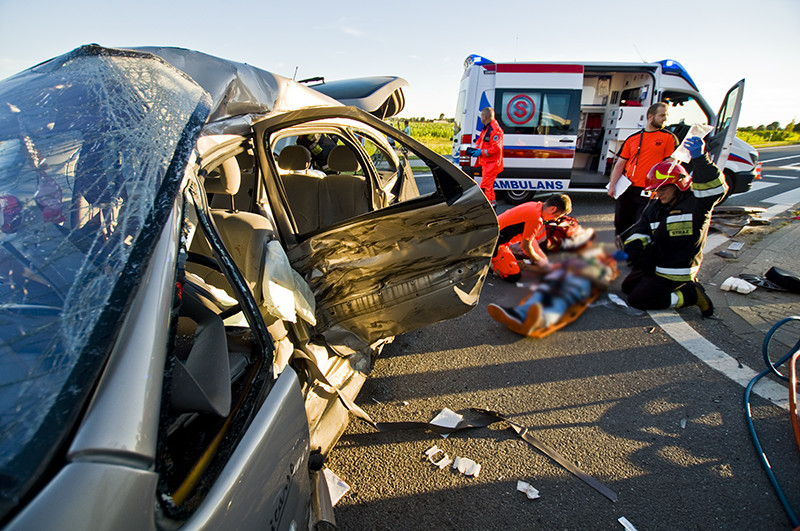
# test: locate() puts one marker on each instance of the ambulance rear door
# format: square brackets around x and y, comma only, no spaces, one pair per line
[538,107]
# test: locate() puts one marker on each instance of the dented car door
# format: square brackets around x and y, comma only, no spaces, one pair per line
[418,253]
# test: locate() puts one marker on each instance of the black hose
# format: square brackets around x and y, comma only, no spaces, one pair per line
[771,368]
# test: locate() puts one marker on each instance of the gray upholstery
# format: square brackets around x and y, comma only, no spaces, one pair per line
[302,192]
[245,234]
[224,179]
[294,158]
[343,195]
[318,201]
[342,159]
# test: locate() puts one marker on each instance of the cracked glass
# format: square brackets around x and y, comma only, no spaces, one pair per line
[92,150]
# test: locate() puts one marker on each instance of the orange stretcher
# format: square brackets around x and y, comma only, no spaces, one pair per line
[572,313]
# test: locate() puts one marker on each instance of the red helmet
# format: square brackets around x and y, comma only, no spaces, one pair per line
[668,173]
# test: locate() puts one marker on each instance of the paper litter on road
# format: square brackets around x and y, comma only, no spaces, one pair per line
[444,462]
[467,466]
[528,489]
[738,285]
[336,487]
[447,418]
[616,300]
[626,523]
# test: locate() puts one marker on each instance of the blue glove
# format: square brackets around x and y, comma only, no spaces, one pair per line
[620,255]
[695,146]
[473,152]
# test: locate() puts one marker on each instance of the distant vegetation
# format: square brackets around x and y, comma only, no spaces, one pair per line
[438,134]
[772,134]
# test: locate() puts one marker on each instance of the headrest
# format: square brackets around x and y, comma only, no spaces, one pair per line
[294,158]
[342,158]
[224,179]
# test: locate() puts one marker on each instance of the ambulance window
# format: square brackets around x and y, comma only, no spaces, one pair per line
[683,109]
[462,99]
[555,113]
[550,112]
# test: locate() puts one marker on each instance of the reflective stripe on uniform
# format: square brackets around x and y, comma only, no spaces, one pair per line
[680,225]
[676,299]
[709,189]
[644,238]
[700,194]
[654,225]
[678,273]
[678,217]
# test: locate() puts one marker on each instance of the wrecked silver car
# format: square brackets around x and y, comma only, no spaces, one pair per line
[199,262]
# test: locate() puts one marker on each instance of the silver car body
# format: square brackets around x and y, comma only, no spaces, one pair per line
[161,272]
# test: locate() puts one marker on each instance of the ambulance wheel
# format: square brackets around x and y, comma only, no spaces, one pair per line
[517,197]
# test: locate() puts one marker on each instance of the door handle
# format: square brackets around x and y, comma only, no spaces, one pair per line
[566,140]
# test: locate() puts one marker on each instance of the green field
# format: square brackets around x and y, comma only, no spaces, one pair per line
[438,135]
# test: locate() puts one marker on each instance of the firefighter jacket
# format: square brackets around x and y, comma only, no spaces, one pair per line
[670,239]
[490,142]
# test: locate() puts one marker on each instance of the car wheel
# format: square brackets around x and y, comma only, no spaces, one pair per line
[517,197]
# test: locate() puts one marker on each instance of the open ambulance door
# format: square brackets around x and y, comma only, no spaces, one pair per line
[720,140]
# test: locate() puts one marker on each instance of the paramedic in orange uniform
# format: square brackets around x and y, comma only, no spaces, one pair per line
[640,152]
[489,152]
[525,224]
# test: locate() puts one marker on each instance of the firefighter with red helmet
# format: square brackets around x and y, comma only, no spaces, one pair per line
[665,248]
[489,152]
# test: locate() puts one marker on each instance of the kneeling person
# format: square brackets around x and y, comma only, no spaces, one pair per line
[666,247]
[525,223]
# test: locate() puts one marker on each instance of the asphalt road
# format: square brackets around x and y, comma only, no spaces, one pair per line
[612,392]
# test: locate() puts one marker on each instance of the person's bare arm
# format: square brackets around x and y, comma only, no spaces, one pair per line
[534,251]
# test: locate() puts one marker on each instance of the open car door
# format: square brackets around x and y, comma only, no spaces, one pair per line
[381,96]
[384,249]
[719,143]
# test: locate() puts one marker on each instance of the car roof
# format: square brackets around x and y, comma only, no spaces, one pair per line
[240,93]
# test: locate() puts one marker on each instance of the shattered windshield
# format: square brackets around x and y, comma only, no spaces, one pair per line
[93,145]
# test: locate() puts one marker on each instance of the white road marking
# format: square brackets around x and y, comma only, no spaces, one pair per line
[714,240]
[781,176]
[789,198]
[758,185]
[718,360]
[707,352]
[781,158]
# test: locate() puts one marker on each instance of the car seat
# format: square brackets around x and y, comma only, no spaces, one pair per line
[344,194]
[302,186]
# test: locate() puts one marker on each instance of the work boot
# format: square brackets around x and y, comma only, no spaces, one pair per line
[507,316]
[533,319]
[703,301]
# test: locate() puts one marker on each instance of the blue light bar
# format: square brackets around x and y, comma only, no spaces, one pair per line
[674,68]
[475,59]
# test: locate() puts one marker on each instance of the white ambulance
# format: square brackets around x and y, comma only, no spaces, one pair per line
[564,123]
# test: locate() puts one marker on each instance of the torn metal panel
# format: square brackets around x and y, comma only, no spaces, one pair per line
[240,93]
[390,274]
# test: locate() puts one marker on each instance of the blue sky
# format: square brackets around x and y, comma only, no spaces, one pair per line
[718,41]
